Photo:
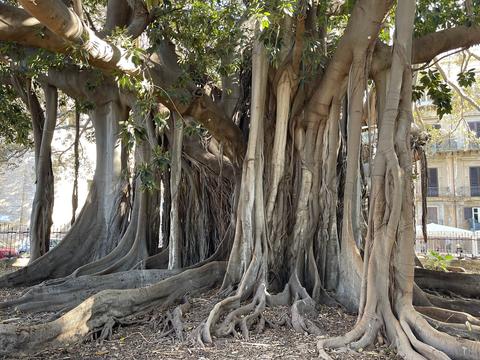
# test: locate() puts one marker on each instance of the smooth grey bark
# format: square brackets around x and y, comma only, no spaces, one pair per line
[175,242]
[42,207]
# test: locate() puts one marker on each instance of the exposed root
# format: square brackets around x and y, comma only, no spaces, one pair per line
[466,330]
[240,319]
[448,316]
[462,284]
[302,306]
[97,313]
[453,347]
[171,322]
[230,317]
[415,337]
[470,306]
[63,296]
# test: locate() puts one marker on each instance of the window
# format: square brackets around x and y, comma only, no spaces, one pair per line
[475,127]
[472,215]
[475,181]
[432,214]
[476,214]
[437,126]
[432,176]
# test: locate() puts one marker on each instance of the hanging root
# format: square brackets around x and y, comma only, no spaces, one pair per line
[63,296]
[100,312]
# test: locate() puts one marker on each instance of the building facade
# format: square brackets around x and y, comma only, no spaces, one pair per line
[453,185]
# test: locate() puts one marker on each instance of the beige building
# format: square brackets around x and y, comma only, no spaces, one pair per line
[453,195]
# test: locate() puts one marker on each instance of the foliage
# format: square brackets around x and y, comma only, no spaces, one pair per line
[147,177]
[467,78]
[443,14]
[438,91]
[438,262]
[15,124]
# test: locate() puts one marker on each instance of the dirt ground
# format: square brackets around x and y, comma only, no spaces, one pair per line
[143,341]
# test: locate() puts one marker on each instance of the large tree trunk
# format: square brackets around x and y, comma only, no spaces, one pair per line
[297,228]
[101,222]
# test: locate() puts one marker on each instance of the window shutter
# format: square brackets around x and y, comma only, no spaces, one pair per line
[467,212]
[433,177]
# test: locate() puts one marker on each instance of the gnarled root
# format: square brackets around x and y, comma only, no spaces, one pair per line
[412,334]
[71,292]
[171,321]
[301,306]
[99,312]
[242,318]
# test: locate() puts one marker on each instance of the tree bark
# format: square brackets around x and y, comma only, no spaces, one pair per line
[42,207]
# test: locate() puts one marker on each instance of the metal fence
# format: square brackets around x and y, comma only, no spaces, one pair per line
[449,243]
[15,239]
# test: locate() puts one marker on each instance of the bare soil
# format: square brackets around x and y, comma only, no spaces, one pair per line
[142,340]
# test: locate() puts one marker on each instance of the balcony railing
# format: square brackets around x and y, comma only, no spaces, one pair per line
[436,191]
[464,191]
[452,145]
[468,191]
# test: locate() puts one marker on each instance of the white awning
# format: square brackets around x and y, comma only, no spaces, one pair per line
[444,231]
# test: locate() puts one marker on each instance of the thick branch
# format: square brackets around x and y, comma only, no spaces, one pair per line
[62,21]
[65,24]
[428,46]
[18,26]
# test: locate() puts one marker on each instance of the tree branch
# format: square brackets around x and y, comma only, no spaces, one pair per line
[460,92]
[65,24]
[427,47]
[18,26]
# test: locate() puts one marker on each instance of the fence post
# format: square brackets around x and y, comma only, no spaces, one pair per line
[474,246]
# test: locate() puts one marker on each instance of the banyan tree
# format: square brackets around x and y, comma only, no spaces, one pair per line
[233,132]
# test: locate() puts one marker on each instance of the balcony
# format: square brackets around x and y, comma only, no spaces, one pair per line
[468,191]
[436,191]
[451,145]
[463,191]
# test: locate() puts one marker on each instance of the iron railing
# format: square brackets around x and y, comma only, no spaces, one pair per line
[15,239]
[467,244]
